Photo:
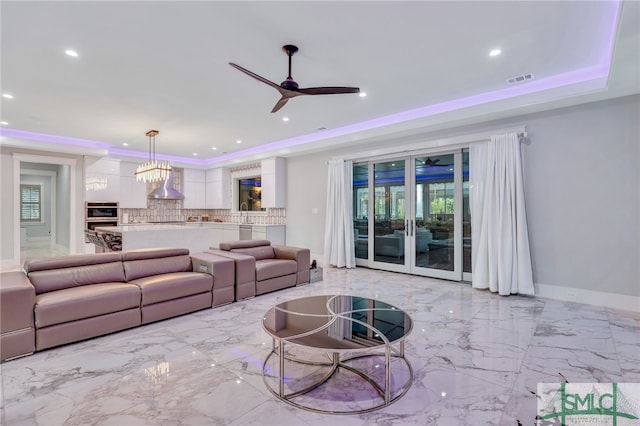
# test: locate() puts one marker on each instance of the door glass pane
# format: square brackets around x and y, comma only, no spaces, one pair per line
[466,215]
[361,210]
[434,212]
[389,205]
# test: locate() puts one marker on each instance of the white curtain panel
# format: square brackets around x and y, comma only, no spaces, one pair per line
[500,256]
[338,233]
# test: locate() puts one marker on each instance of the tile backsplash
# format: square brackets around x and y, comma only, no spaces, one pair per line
[172,211]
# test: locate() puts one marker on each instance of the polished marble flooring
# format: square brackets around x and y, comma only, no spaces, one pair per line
[40,247]
[477,358]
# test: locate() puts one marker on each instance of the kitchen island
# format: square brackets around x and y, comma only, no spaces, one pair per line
[196,236]
[230,231]
[158,235]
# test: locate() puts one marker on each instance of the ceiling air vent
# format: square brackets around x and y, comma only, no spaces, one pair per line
[520,78]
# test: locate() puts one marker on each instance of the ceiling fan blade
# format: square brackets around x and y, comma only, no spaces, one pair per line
[283,100]
[256,76]
[328,90]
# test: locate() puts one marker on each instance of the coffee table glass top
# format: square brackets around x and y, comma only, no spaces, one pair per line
[337,322]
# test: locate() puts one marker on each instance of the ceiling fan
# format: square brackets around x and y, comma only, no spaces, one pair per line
[430,162]
[289,88]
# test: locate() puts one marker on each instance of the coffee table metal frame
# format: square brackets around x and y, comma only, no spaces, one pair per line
[335,362]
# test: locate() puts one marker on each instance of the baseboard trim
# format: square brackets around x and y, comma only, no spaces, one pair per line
[590,297]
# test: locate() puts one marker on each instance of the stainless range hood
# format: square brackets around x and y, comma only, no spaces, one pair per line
[166,191]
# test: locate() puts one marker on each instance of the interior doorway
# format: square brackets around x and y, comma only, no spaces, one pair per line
[62,213]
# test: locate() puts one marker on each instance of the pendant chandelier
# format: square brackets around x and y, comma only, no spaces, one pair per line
[153,170]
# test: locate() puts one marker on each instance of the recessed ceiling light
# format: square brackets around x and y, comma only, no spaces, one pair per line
[214,148]
[4,123]
[495,52]
[238,141]
[70,52]
[195,154]
[362,94]
[7,95]
[125,144]
[285,118]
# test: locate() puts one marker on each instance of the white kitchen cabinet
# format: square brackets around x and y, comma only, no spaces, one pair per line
[274,182]
[273,233]
[218,188]
[101,179]
[194,189]
[133,194]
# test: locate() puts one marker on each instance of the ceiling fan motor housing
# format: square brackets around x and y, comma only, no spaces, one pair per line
[289,84]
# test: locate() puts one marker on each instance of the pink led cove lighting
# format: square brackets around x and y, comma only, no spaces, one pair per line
[597,73]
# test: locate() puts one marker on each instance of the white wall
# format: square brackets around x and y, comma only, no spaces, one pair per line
[62,206]
[582,193]
[6,206]
[307,201]
[582,180]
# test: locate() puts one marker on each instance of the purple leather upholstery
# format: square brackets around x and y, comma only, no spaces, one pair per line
[276,267]
[17,334]
[60,272]
[82,296]
[223,271]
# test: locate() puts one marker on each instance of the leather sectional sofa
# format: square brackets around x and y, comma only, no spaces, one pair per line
[262,268]
[64,299]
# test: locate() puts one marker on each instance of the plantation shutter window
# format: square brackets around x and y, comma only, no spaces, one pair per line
[30,206]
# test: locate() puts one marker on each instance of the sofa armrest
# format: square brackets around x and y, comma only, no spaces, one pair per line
[245,265]
[301,255]
[17,300]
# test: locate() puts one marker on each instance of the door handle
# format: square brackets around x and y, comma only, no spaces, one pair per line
[406,227]
[412,226]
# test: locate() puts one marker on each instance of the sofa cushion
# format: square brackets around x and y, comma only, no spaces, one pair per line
[262,252]
[63,272]
[273,268]
[230,245]
[160,288]
[75,303]
[59,262]
[149,262]
[301,255]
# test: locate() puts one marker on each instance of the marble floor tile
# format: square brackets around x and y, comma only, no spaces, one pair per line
[476,358]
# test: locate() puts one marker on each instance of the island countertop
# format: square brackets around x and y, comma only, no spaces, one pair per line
[150,236]
[140,227]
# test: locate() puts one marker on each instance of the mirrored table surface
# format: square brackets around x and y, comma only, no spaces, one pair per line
[348,329]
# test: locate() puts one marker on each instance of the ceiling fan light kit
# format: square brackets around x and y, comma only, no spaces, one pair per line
[289,88]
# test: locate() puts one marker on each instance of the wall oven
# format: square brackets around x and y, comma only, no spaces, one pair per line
[100,213]
[101,210]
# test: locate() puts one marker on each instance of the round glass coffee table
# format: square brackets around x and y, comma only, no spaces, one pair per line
[337,354]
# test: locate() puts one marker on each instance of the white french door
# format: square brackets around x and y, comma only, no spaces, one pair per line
[411,215]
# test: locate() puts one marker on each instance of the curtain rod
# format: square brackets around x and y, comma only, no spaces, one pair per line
[437,144]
